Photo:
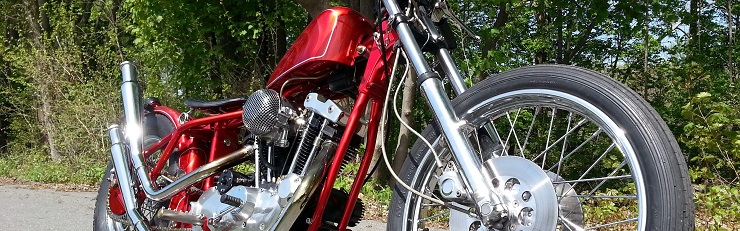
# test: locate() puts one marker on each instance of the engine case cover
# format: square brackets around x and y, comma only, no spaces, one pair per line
[259,212]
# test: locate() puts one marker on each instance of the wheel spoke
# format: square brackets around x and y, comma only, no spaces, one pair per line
[443,212]
[578,125]
[531,125]
[590,168]
[633,197]
[547,143]
[591,193]
[594,135]
[565,141]
[516,137]
[612,223]
[570,225]
[592,179]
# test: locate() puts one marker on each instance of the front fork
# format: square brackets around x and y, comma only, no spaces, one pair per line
[488,205]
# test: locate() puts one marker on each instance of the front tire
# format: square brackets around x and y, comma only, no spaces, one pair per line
[609,155]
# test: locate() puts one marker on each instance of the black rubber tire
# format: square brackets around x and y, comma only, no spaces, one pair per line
[155,126]
[668,187]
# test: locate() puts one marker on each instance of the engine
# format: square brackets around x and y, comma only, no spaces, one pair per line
[294,147]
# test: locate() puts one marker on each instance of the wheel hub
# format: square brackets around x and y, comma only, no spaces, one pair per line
[527,193]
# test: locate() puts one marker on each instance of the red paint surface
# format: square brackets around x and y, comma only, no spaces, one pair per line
[329,43]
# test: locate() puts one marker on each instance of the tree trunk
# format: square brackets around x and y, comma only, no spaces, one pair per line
[381,174]
[730,42]
[314,7]
[365,7]
[542,19]
[44,117]
[646,75]
[41,74]
[407,115]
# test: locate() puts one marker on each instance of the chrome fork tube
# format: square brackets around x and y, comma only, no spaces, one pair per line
[453,73]
[488,204]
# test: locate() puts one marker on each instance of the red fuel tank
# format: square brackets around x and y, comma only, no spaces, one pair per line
[328,43]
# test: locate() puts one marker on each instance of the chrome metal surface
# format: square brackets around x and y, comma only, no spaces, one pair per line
[448,65]
[272,206]
[124,178]
[132,111]
[408,40]
[266,112]
[561,136]
[328,109]
[570,207]
[178,216]
[526,191]
[451,186]
[489,205]
[309,182]
[453,73]
[260,112]
[306,142]
[134,132]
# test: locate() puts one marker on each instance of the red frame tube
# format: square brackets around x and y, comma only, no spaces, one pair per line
[205,124]
[373,88]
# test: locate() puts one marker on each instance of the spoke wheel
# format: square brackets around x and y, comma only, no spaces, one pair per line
[596,143]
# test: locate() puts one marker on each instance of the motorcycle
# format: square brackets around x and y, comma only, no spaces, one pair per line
[545,147]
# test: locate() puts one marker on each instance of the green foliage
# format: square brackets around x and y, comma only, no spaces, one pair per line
[38,167]
[712,136]
[208,49]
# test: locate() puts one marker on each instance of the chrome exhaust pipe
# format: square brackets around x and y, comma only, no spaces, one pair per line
[124,177]
[134,133]
[120,162]
[134,136]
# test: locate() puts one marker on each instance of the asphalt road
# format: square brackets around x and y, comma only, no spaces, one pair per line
[24,208]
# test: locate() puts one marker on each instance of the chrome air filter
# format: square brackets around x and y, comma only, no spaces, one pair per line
[261,112]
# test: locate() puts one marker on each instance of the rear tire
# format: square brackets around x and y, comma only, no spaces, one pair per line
[662,188]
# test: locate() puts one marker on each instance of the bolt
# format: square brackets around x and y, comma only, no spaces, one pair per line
[227,142]
[526,195]
[361,50]
[331,108]
[485,209]
[512,227]
[308,221]
[511,182]
[262,226]
[495,182]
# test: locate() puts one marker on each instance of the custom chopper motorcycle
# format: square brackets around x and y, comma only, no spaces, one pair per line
[545,147]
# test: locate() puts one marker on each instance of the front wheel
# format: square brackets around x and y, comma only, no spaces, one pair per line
[607,159]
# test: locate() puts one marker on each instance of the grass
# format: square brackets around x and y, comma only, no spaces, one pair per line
[40,168]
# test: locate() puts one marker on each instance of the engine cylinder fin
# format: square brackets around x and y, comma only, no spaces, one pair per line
[306,146]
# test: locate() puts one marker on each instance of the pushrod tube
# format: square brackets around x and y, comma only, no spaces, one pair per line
[489,205]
